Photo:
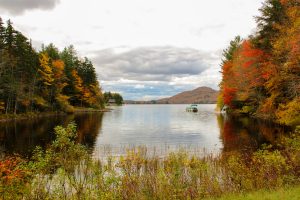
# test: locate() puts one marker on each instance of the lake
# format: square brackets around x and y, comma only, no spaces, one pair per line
[159,127]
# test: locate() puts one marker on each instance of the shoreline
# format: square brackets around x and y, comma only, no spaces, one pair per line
[33,115]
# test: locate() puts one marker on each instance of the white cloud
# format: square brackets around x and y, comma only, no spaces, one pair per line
[199,24]
[151,63]
[129,40]
[139,86]
[17,7]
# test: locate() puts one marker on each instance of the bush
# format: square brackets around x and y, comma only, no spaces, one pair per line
[289,114]
[14,177]
[63,103]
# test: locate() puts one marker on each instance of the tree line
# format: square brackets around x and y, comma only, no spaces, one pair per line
[118,99]
[261,74]
[45,80]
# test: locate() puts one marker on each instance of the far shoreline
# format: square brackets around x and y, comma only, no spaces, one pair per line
[150,103]
[35,115]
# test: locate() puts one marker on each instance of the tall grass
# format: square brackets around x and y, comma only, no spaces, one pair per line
[65,170]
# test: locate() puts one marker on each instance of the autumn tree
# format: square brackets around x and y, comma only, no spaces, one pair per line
[271,13]
[60,82]
[248,74]
[227,85]
[79,88]
[261,75]
[33,81]
[45,71]
[286,61]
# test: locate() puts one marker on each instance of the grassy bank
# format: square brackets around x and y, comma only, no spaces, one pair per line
[80,109]
[290,193]
[28,115]
[31,115]
[65,170]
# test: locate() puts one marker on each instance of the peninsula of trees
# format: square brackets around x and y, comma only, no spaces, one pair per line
[114,98]
[261,74]
[47,80]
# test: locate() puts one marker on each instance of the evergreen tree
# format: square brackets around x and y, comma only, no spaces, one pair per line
[48,80]
[272,12]
[51,51]
[2,34]
[228,53]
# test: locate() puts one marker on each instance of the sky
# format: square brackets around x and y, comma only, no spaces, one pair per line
[143,49]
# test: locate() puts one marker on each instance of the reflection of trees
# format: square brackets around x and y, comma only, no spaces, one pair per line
[246,134]
[233,135]
[24,135]
[88,127]
[272,132]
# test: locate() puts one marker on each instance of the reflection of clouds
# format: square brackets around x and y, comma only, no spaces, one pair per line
[160,125]
[168,127]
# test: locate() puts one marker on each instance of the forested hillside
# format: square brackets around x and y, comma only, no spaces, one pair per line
[48,80]
[200,95]
[261,74]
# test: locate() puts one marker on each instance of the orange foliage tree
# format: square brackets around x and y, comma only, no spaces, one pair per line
[261,75]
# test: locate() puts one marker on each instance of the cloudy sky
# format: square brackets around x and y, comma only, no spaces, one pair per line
[144,49]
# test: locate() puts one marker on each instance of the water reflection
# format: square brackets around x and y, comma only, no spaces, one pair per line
[23,135]
[158,126]
[246,134]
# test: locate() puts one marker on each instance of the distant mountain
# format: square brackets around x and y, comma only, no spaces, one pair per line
[198,95]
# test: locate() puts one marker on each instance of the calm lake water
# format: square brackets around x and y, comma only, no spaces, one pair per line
[156,126]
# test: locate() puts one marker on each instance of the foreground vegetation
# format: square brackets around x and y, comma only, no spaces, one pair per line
[261,74]
[292,193]
[45,81]
[65,170]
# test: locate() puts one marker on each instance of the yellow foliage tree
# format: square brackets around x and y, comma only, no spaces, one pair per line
[96,99]
[285,82]
[78,85]
[286,49]
[289,113]
[60,82]
[58,66]
[63,102]
[59,76]
[45,70]
[87,96]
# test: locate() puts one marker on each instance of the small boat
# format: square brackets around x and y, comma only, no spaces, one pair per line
[192,108]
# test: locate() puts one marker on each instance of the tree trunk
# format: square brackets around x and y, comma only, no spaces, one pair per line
[7,106]
[16,106]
